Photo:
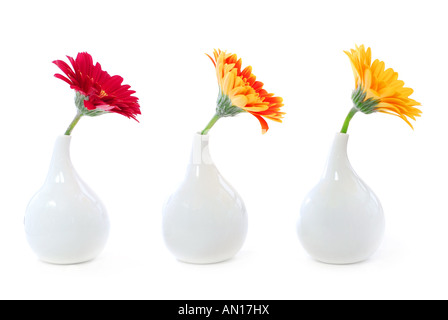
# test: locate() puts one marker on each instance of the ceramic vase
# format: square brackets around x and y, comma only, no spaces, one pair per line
[341,219]
[205,220]
[66,222]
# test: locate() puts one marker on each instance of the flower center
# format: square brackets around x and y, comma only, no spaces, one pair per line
[103,94]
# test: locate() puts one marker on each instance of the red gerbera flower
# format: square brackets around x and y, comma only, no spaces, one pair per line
[98,92]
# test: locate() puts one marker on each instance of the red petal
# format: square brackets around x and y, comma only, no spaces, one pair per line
[74,64]
[85,63]
[63,78]
[112,84]
[89,105]
[104,92]
[64,68]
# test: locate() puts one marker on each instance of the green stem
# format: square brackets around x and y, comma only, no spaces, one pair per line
[211,124]
[73,124]
[348,119]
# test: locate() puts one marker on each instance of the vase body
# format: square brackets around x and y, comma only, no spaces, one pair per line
[65,222]
[205,220]
[341,219]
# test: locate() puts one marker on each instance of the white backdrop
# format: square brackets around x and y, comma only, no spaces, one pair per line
[296,49]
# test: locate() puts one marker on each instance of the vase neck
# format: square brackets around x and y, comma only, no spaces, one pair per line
[201,167]
[61,167]
[338,162]
[200,154]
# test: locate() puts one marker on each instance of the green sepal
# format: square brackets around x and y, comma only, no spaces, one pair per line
[367,106]
[79,102]
[225,108]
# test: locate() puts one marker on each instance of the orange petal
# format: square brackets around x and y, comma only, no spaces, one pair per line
[264,124]
[258,85]
[211,59]
[247,72]
[238,66]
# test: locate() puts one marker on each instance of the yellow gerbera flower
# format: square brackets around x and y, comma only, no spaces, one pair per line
[239,91]
[379,90]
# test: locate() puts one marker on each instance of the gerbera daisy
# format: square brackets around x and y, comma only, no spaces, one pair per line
[239,91]
[97,92]
[378,90]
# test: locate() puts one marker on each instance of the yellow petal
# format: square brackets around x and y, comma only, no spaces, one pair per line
[229,81]
[239,101]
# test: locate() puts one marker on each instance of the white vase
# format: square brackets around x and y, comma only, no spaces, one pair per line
[205,220]
[65,222]
[341,221]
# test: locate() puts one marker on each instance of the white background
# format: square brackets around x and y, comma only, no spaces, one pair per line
[296,49]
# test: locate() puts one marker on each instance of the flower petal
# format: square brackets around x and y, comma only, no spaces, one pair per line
[102,91]
[382,85]
[240,88]
[264,124]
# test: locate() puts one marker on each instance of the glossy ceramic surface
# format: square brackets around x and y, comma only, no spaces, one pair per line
[342,220]
[65,221]
[205,220]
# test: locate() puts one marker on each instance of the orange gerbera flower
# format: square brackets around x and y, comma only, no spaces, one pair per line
[379,90]
[241,92]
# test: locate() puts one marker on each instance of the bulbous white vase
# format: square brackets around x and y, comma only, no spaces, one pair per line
[65,222]
[341,221]
[205,220]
